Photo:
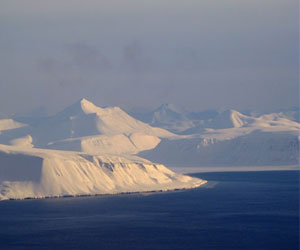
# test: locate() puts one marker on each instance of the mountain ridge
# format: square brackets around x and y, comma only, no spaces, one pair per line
[84,127]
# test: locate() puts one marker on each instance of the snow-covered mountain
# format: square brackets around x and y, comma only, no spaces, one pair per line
[212,138]
[166,116]
[291,114]
[166,113]
[171,118]
[84,118]
[229,148]
[85,127]
[222,120]
[85,149]
[38,173]
[100,143]
[231,138]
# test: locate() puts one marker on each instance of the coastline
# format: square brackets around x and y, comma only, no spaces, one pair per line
[208,169]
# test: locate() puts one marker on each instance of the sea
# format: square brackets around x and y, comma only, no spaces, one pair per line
[234,210]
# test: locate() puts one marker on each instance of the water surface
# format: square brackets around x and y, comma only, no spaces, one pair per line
[235,210]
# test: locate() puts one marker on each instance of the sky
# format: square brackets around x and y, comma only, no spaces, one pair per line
[137,54]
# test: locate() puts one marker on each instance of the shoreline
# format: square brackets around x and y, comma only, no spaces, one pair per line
[191,170]
[202,183]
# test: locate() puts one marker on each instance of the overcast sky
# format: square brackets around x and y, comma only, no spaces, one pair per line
[138,53]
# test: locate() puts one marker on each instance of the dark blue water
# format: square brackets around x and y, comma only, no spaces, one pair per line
[250,210]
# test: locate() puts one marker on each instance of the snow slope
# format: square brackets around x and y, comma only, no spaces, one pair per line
[114,144]
[37,173]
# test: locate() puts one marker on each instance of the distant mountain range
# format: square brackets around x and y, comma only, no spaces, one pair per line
[166,116]
[203,138]
[170,117]
[228,137]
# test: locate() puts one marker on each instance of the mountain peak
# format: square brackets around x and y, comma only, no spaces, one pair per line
[167,106]
[236,118]
[82,106]
[88,107]
[83,100]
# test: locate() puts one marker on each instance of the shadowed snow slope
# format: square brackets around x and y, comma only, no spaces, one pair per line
[114,144]
[38,173]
